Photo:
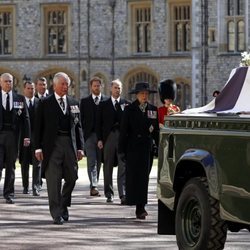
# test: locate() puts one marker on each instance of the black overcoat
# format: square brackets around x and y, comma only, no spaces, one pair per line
[47,126]
[137,133]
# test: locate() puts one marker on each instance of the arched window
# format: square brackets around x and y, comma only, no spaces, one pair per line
[142,76]
[183,96]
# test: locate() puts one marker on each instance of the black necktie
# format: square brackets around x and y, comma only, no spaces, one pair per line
[96,100]
[117,106]
[7,102]
[62,103]
[30,104]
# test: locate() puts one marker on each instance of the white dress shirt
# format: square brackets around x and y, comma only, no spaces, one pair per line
[64,100]
[4,96]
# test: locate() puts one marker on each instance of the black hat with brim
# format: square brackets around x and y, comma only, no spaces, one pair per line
[142,86]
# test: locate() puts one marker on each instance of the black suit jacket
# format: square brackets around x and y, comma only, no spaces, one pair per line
[106,117]
[25,153]
[88,115]
[20,117]
[46,126]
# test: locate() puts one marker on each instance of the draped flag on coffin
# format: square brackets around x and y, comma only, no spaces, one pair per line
[233,98]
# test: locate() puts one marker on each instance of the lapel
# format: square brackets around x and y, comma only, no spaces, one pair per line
[72,115]
[110,104]
[53,104]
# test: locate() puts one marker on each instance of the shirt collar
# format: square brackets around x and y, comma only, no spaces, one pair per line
[94,96]
[58,97]
[113,99]
[4,93]
[28,99]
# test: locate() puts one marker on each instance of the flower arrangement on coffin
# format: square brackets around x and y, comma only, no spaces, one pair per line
[245,59]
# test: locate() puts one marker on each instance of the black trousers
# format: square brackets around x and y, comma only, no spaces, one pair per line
[8,155]
[29,156]
[62,165]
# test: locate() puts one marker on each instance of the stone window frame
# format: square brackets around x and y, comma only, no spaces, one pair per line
[235,25]
[184,93]
[65,8]
[8,9]
[180,14]
[146,44]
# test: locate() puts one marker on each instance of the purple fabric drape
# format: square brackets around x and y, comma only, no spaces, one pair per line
[229,95]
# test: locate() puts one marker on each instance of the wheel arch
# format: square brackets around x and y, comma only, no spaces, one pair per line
[197,163]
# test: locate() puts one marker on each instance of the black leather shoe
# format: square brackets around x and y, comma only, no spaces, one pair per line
[123,200]
[9,200]
[58,220]
[110,199]
[142,215]
[26,191]
[65,214]
[36,193]
[94,192]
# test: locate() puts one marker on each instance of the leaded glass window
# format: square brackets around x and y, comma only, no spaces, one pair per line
[6,32]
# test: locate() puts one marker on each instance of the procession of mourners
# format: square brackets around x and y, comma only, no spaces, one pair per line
[51,131]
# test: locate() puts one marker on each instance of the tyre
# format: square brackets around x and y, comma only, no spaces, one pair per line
[197,223]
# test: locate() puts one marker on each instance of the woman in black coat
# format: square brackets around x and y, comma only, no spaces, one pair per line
[139,135]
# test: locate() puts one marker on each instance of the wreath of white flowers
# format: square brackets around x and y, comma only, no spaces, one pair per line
[245,59]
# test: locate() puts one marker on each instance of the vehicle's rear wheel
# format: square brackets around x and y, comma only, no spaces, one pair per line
[198,224]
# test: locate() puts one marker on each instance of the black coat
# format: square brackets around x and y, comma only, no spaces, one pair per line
[25,153]
[20,118]
[137,133]
[88,115]
[46,126]
[106,117]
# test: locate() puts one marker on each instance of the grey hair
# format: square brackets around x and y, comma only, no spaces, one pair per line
[6,75]
[117,81]
[59,75]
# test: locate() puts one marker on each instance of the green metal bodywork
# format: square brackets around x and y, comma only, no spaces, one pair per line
[211,145]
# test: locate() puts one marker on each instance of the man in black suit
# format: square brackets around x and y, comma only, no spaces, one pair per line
[88,109]
[59,145]
[27,154]
[108,129]
[14,118]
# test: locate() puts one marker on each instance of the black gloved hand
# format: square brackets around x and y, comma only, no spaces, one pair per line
[155,150]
